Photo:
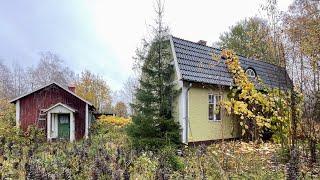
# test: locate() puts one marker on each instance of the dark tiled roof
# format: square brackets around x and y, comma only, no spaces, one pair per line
[196,65]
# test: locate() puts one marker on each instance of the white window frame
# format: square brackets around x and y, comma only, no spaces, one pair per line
[251,73]
[214,103]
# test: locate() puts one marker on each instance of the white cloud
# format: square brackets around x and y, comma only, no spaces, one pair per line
[121,25]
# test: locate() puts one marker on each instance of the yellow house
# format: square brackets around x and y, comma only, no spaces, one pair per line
[203,81]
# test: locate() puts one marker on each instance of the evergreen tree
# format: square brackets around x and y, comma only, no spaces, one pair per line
[152,124]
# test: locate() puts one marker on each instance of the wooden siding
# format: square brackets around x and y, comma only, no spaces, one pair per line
[203,129]
[31,105]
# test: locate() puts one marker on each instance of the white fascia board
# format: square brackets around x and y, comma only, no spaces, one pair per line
[61,104]
[175,60]
[183,101]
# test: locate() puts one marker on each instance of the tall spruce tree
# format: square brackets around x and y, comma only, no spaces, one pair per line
[152,124]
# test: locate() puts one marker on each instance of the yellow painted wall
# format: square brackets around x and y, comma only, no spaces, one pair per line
[200,127]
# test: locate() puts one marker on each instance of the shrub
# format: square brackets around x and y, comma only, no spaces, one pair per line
[35,135]
[144,167]
[170,159]
[7,117]
[115,120]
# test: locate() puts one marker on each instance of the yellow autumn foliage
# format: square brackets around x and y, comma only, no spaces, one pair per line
[115,120]
[252,105]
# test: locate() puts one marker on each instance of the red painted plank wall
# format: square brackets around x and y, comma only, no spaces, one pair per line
[31,105]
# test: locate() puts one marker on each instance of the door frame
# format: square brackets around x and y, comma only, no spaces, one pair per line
[52,115]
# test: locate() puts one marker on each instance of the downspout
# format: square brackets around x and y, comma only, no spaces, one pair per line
[187,112]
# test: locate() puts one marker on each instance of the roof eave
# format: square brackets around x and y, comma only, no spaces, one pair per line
[175,60]
[24,95]
[60,104]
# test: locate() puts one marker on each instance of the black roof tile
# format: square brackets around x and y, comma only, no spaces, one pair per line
[196,65]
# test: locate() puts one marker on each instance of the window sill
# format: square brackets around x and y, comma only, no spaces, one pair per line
[214,120]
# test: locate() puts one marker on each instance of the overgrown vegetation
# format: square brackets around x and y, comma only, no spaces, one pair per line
[288,39]
[258,110]
[108,154]
[115,120]
[145,147]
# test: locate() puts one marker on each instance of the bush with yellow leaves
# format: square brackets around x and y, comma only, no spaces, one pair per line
[257,110]
[115,120]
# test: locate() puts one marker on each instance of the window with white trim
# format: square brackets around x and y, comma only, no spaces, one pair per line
[250,73]
[214,107]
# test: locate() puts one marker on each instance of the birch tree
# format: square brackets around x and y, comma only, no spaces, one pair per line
[93,88]
[51,68]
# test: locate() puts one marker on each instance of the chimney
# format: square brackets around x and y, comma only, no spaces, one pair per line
[72,88]
[202,42]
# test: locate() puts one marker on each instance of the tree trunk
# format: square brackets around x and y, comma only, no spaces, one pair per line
[313,154]
[293,169]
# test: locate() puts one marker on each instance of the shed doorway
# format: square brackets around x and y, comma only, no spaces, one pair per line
[60,122]
[64,126]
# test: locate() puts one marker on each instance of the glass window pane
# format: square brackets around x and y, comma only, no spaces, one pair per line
[210,98]
[211,112]
[64,119]
[217,110]
[250,73]
[218,114]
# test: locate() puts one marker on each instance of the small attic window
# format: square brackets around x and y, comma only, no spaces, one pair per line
[251,73]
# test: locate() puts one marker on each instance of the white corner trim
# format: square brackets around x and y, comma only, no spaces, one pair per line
[175,59]
[49,126]
[188,131]
[72,127]
[18,113]
[86,132]
[183,110]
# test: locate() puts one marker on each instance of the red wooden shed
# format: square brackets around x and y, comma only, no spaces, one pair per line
[57,109]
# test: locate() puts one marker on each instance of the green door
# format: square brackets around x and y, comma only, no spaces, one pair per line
[64,126]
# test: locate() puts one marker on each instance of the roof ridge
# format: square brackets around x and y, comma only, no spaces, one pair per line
[49,84]
[187,53]
[218,49]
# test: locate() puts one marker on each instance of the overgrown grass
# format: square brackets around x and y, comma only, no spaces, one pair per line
[107,154]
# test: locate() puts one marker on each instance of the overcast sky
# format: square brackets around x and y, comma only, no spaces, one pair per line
[102,35]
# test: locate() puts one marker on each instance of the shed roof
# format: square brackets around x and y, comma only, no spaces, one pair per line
[195,64]
[53,83]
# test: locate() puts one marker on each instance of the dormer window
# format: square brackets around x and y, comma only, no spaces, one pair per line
[251,73]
